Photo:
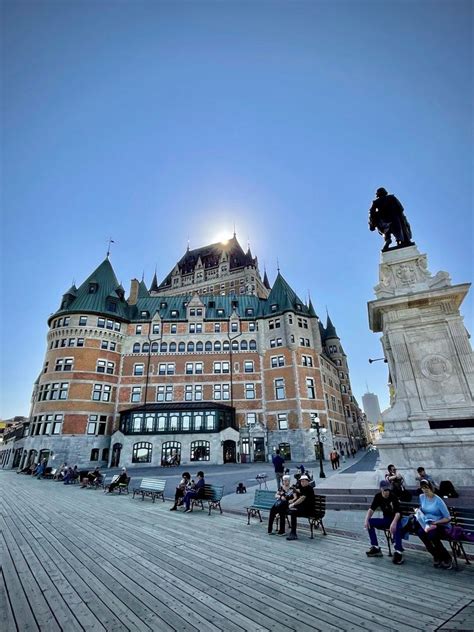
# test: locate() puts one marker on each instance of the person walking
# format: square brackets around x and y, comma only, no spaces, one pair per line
[278,464]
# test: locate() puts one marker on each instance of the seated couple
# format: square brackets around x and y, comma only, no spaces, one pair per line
[293,501]
[187,490]
[429,523]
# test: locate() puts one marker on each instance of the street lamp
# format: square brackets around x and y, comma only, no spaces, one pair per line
[316,425]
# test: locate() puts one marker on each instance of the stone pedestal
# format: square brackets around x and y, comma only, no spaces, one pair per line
[431,418]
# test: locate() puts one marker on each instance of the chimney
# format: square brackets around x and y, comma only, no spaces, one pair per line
[132,299]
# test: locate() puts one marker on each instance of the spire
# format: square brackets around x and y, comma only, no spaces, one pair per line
[143,290]
[265,280]
[154,283]
[284,297]
[111,241]
[311,310]
[330,329]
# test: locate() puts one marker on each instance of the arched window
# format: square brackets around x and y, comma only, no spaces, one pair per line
[145,347]
[105,454]
[208,346]
[136,347]
[252,345]
[172,347]
[154,347]
[141,452]
[217,346]
[164,347]
[235,345]
[190,347]
[199,346]
[94,454]
[181,347]
[225,345]
[200,451]
[170,449]
[244,345]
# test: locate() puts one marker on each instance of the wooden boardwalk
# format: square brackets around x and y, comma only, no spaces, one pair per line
[77,559]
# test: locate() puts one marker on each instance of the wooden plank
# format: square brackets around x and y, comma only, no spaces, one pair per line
[7,621]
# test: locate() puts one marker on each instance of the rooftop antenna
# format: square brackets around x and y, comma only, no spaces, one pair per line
[188,244]
[278,266]
[111,241]
[235,235]
[367,386]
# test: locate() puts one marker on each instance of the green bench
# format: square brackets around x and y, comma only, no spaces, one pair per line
[264,501]
[212,495]
[153,487]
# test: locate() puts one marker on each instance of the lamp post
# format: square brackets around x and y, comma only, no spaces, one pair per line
[315,425]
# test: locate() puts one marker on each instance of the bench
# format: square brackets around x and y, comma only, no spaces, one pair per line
[212,495]
[463,518]
[261,480]
[264,501]
[153,487]
[122,487]
[51,473]
[407,510]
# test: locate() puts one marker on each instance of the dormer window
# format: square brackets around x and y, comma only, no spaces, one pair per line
[298,307]
[220,312]
[274,307]
[235,304]
[111,306]
[144,314]
[174,312]
[249,311]
[211,304]
[163,305]
[93,287]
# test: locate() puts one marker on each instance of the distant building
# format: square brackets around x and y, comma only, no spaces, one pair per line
[370,403]
[212,364]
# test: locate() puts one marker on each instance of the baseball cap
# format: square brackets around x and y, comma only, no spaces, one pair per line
[304,478]
[384,485]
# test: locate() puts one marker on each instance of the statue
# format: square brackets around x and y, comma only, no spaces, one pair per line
[387,216]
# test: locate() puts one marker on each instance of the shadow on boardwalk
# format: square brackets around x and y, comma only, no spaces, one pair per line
[76,559]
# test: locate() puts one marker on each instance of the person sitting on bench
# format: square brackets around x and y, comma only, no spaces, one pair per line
[196,492]
[181,490]
[432,519]
[121,479]
[90,478]
[283,496]
[303,505]
[388,503]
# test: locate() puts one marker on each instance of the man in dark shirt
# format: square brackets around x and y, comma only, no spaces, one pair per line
[278,463]
[388,503]
[303,505]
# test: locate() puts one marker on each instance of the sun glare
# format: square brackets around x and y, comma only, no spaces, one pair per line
[221,237]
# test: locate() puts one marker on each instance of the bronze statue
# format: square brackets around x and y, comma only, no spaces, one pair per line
[387,216]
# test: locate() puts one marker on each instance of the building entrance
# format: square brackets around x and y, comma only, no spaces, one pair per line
[229,451]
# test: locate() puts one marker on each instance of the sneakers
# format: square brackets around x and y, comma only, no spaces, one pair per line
[188,511]
[397,558]
[173,508]
[271,533]
[374,551]
[436,563]
[448,565]
[280,533]
[292,536]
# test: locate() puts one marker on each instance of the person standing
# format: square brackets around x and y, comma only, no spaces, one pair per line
[386,501]
[278,464]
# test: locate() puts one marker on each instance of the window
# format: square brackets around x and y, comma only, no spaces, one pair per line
[195,328]
[136,394]
[101,366]
[110,368]
[105,454]
[189,368]
[221,367]
[82,321]
[250,391]
[94,454]
[80,342]
[164,393]
[188,393]
[311,393]
[101,392]
[251,419]
[154,347]
[174,328]
[198,368]
[116,326]
[57,425]
[190,347]
[282,421]
[141,452]
[104,344]
[222,391]
[280,388]
[234,327]
[343,388]
[181,347]
[64,364]
[97,425]
[101,322]
[146,347]
[200,451]
[174,313]
[244,345]
[217,346]
[136,348]
[307,360]
[170,369]
[170,449]
[93,288]
[162,369]
[155,328]
[333,403]
[220,312]
[138,369]
[277,361]
[248,366]
[138,329]
[217,328]
[208,346]
[252,345]
[252,326]
[71,342]
[249,311]
[274,307]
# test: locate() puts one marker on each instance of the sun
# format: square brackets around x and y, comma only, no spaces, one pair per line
[221,237]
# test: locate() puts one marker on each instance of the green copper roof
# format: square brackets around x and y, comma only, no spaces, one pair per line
[311,311]
[216,307]
[284,298]
[98,294]
[322,331]
[142,290]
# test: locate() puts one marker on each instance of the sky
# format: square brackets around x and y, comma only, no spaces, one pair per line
[155,123]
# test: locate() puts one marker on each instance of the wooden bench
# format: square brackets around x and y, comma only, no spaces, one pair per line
[407,510]
[153,487]
[463,518]
[263,501]
[212,495]
[122,487]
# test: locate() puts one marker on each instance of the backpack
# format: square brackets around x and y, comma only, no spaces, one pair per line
[446,488]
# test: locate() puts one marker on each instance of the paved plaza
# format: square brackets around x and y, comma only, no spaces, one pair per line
[77,559]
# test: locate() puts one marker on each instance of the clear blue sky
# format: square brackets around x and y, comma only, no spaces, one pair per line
[155,122]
